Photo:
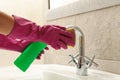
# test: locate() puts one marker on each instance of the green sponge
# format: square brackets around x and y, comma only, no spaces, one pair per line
[29,55]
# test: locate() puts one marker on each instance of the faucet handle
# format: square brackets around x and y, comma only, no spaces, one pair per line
[74,57]
[73,60]
[91,61]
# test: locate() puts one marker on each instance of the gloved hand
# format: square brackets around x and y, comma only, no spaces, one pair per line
[14,45]
[24,44]
[53,35]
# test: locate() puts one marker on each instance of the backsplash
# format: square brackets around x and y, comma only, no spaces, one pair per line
[102,37]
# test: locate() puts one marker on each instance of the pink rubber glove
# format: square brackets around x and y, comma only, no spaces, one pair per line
[53,35]
[10,44]
[13,45]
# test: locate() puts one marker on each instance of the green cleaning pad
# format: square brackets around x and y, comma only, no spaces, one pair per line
[29,55]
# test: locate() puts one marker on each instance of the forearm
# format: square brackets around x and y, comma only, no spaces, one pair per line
[6,23]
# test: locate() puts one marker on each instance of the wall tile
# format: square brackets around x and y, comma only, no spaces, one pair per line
[7,58]
[108,65]
[63,21]
[101,29]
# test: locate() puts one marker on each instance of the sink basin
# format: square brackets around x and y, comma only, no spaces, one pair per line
[53,72]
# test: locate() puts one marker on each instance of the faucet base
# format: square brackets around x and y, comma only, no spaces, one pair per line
[82,72]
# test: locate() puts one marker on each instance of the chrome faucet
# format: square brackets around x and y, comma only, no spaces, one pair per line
[83,62]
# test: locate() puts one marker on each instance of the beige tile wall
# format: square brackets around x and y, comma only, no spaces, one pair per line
[102,37]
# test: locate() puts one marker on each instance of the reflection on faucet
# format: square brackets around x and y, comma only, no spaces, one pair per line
[83,62]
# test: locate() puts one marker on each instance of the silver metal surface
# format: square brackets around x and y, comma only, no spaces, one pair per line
[83,62]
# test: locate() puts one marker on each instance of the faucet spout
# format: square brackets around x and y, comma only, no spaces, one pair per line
[81,45]
[83,62]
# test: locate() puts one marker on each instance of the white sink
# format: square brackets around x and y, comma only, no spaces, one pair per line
[53,72]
